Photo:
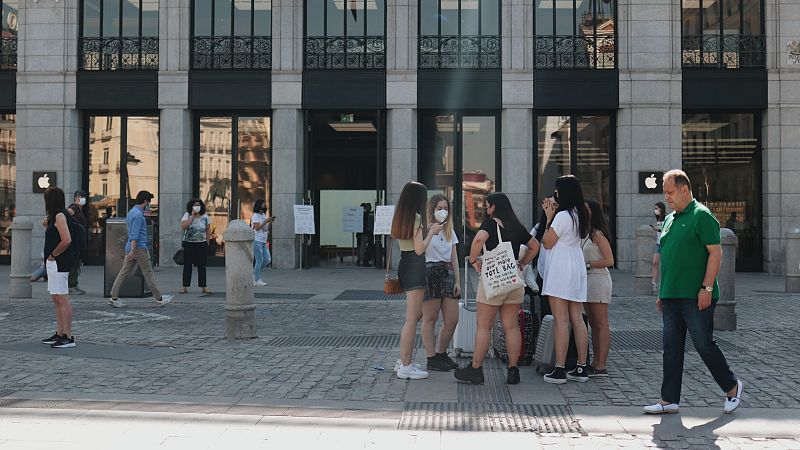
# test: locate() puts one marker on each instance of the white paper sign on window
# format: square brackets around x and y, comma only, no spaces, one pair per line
[304,219]
[383,220]
[352,219]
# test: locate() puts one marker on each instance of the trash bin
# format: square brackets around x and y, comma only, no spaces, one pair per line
[116,233]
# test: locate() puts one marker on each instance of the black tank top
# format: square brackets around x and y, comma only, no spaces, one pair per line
[51,241]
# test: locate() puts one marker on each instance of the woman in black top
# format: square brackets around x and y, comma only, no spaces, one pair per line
[59,259]
[502,218]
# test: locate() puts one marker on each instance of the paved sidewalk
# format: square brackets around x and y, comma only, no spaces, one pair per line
[320,340]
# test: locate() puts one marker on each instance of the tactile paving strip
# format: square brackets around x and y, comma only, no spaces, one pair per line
[366,341]
[444,416]
[366,295]
[651,340]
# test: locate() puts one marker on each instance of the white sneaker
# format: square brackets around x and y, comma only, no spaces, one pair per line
[733,402]
[116,303]
[411,373]
[165,299]
[658,408]
[399,364]
[259,283]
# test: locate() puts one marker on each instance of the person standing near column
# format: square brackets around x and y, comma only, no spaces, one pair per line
[260,223]
[76,210]
[137,253]
[59,258]
[196,228]
[660,211]
[690,261]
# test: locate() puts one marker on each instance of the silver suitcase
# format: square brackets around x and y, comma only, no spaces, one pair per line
[545,357]
[464,337]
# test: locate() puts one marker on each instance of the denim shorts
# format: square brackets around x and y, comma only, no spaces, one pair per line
[411,271]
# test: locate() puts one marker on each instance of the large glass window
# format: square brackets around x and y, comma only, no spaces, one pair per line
[345,34]
[458,158]
[123,159]
[233,151]
[459,34]
[726,34]
[119,35]
[8,180]
[575,34]
[8,43]
[231,34]
[722,156]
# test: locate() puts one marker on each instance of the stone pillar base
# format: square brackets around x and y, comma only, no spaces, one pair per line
[240,323]
[792,284]
[725,316]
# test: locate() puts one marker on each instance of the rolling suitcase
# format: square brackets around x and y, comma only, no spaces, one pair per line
[464,336]
[544,358]
[528,326]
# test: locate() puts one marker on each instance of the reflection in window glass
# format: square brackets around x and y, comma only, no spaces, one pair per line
[222,18]
[202,17]
[262,13]
[355,18]
[752,17]
[241,18]
[8,179]
[690,15]
[315,17]
[593,161]
[91,18]
[110,25]
[254,164]
[478,175]
[437,163]
[469,18]
[554,152]
[375,18]
[11,17]
[429,17]
[711,20]
[130,17]
[150,18]
[105,178]
[490,17]
[335,21]
[731,16]
[544,17]
[215,174]
[142,160]
[449,17]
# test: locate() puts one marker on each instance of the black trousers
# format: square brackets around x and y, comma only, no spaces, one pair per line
[194,254]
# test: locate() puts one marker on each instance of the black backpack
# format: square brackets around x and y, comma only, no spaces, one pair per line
[77,233]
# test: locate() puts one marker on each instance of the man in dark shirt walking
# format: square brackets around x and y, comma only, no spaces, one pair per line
[690,260]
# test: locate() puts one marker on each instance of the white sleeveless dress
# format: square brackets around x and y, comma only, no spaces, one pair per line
[598,281]
[565,269]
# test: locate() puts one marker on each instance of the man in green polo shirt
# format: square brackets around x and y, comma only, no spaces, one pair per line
[690,261]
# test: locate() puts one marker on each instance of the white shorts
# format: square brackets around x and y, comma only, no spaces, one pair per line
[57,282]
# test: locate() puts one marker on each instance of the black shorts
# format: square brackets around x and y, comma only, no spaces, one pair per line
[441,280]
[411,271]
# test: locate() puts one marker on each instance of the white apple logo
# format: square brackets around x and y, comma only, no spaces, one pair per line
[44,181]
[650,182]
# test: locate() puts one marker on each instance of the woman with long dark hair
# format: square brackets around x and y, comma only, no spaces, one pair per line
[660,211]
[568,224]
[196,227]
[59,258]
[599,257]
[260,223]
[408,227]
[504,224]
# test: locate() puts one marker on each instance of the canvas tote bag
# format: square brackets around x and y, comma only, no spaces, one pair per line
[499,272]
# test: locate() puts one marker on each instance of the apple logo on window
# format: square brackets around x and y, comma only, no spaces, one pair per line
[651,182]
[44,181]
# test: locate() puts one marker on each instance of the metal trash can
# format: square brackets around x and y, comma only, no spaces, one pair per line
[116,233]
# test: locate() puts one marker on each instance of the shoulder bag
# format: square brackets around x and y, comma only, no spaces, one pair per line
[391,285]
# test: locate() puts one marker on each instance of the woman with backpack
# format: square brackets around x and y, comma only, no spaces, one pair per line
[599,257]
[59,258]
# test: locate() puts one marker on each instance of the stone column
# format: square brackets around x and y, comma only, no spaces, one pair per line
[725,313]
[48,125]
[793,261]
[240,311]
[643,284]
[20,278]
[649,118]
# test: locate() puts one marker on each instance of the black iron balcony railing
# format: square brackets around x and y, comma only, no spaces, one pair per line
[575,52]
[8,53]
[459,52]
[730,51]
[345,52]
[231,52]
[118,53]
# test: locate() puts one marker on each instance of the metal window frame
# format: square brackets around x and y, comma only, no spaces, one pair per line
[480,36]
[102,39]
[721,48]
[251,36]
[555,35]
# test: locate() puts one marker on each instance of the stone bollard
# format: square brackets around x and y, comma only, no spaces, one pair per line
[20,284]
[240,311]
[645,247]
[793,261]
[725,313]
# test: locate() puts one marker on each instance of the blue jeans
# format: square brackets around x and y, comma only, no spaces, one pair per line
[262,258]
[679,315]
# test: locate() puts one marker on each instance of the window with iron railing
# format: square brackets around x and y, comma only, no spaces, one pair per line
[575,34]
[118,35]
[231,34]
[459,34]
[723,34]
[345,34]
[8,41]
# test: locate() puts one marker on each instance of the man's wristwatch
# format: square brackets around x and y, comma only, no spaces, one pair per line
[708,288]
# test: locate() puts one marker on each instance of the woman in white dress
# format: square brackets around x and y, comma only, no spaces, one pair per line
[568,224]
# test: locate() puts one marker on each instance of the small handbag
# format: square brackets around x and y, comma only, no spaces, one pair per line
[391,285]
[178,257]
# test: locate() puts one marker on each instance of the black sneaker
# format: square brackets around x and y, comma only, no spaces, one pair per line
[64,342]
[513,375]
[579,374]
[446,358]
[597,373]
[469,374]
[438,364]
[51,340]
[557,376]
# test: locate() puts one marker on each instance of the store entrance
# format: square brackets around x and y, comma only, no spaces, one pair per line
[344,164]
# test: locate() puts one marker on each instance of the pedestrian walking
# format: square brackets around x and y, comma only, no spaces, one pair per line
[137,253]
[59,260]
[501,224]
[76,210]
[444,287]
[408,227]
[260,223]
[660,211]
[690,261]
[196,228]
[599,257]
[568,224]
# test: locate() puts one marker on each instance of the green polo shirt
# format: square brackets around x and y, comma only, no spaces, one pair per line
[684,255]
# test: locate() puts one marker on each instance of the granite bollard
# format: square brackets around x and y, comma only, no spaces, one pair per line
[20,278]
[645,245]
[792,248]
[240,311]
[725,313]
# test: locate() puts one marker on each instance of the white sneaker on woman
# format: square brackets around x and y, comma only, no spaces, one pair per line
[259,283]
[399,364]
[411,373]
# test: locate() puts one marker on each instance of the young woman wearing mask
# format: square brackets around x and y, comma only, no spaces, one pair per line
[196,227]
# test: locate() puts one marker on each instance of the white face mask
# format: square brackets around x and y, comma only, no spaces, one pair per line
[440,215]
[196,208]
[82,201]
